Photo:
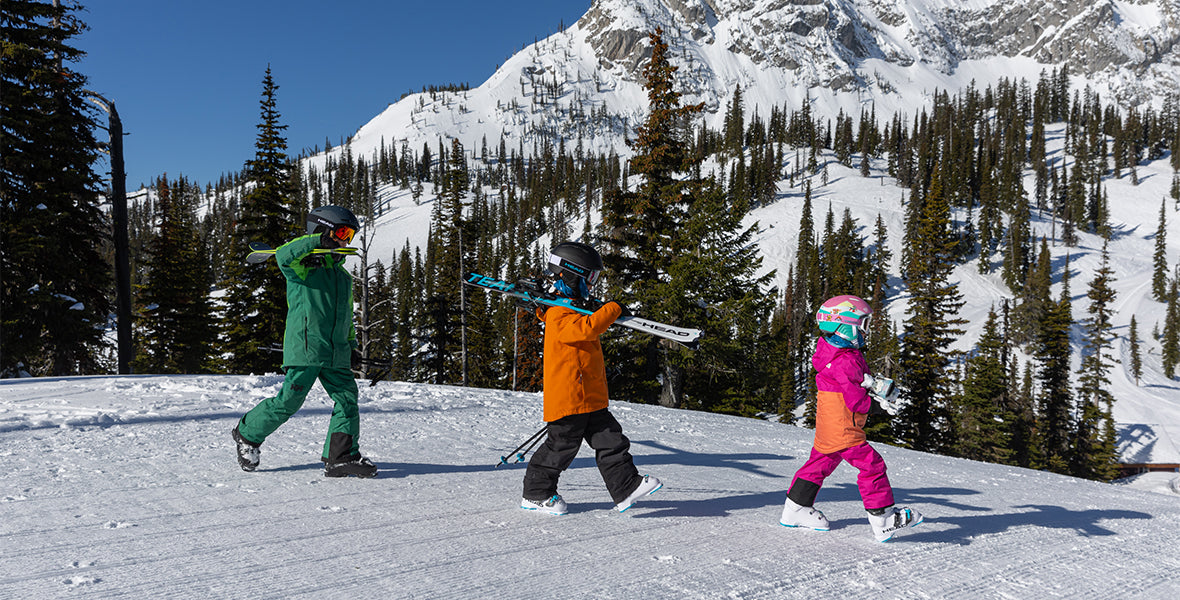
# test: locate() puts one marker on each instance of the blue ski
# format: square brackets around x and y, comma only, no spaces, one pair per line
[527,290]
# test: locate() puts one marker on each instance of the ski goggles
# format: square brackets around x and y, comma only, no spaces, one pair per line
[557,265]
[344,233]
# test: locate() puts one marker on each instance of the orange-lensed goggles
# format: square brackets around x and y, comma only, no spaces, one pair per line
[344,233]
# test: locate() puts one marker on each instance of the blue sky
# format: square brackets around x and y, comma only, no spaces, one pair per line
[186,77]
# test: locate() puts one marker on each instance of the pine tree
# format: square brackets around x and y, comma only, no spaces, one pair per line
[1022,434]
[734,124]
[1017,254]
[256,299]
[1136,352]
[1055,424]
[931,327]
[1094,455]
[1171,336]
[1035,297]
[639,228]
[450,250]
[1159,260]
[981,419]
[52,228]
[175,324]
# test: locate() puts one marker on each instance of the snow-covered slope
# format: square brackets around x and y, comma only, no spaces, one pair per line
[127,487]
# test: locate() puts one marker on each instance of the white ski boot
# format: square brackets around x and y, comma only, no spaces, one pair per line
[554,505]
[887,521]
[795,515]
[648,486]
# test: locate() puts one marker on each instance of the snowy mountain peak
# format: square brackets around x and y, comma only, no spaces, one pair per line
[825,43]
[585,83]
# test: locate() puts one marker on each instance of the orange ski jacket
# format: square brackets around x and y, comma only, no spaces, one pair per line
[842,405]
[575,373]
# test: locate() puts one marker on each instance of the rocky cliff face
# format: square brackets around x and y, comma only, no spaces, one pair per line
[825,43]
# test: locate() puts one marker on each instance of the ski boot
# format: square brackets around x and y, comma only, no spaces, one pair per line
[887,521]
[795,515]
[354,467]
[648,486]
[248,453]
[553,505]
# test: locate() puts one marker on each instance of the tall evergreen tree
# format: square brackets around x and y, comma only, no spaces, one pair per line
[450,250]
[1159,260]
[1136,352]
[56,280]
[931,327]
[256,296]
[1055,422]
[1170,352]
[640,228]
[1094,455]
[980,420]
[175,325]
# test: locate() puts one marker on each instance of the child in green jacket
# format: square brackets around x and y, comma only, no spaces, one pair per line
[317,344]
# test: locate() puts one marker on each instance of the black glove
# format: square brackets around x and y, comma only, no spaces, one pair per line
[357,359]
[589,304]
[626,312]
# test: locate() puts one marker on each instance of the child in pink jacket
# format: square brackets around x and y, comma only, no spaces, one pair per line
[844,386]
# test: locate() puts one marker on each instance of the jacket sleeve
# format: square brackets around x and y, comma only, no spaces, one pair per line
[290,256]
[583,328]
[850,374]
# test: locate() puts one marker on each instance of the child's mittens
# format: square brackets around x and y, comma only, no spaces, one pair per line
[884,391]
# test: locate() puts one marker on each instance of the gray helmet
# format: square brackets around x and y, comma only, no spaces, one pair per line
[332,218]
[576,267]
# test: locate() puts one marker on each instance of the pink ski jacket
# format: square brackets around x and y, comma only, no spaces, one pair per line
[842,405]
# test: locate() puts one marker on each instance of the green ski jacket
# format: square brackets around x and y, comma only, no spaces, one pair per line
[319,330]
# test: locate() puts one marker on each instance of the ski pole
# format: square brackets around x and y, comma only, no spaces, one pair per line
[520,455]
[532,441]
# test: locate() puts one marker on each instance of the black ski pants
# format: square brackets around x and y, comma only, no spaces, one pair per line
[612,453]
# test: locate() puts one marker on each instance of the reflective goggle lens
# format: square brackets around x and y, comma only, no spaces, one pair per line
[592,278]
[344,233]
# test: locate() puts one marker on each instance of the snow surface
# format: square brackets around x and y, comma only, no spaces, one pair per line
[127,487]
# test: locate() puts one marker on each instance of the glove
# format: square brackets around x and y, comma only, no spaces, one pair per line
[626,312]
[590,304]
[884,391]
[357,359]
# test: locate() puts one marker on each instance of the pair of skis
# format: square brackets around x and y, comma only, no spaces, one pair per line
[261,252]
[530,291]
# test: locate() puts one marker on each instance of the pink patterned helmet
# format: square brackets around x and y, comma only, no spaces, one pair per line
[846,317]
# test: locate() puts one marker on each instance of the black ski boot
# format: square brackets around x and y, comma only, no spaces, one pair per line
[354,467]
[248,454]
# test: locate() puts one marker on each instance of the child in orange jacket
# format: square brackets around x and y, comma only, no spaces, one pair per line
[575,392]
[844,387]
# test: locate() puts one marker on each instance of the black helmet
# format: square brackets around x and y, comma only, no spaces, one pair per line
[337,219]
[576,267]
